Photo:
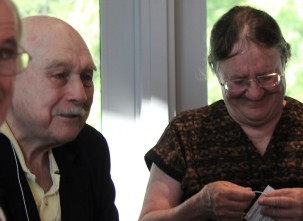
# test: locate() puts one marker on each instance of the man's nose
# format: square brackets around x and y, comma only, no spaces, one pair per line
[76,90]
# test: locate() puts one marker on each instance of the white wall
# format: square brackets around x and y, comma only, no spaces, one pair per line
[153,52]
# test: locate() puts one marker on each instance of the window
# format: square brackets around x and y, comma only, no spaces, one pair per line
[289,17]
[84,16]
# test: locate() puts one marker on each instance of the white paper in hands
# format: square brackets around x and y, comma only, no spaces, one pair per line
[254,212]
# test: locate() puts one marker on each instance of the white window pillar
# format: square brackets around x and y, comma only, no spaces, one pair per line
[152,55]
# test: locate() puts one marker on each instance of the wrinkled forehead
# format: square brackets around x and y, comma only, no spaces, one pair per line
[55,36]
[59,45]
[252,50]
[248,57]
[65,57]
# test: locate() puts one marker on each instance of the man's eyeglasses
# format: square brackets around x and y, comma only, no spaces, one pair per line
[13,62]
[266,81]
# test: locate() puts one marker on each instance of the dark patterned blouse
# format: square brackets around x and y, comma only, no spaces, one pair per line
[206,145]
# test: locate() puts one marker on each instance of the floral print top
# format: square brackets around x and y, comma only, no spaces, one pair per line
[205,145]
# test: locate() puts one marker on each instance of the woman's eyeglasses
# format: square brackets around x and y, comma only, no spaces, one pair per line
[266,81]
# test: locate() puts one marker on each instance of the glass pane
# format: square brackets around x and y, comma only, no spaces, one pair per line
[83,15]
[288,14]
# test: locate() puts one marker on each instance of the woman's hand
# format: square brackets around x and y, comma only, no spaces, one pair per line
[226,200]
[283,204]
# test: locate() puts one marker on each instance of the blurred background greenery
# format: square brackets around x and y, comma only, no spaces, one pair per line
[288,14]
[84,16]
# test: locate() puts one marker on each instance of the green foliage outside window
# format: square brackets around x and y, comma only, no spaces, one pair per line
[84,16]
[288,14]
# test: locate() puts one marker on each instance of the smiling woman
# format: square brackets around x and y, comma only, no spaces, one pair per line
[83,15]
[288,15]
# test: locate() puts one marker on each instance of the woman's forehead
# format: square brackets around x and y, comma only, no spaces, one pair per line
[252,62]
[253,53]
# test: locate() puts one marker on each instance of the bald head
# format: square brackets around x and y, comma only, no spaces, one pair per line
[46,31]
[41,24]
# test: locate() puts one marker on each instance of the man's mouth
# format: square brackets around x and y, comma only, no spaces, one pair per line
[73,113]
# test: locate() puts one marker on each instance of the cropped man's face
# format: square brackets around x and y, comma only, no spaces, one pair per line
[8,50]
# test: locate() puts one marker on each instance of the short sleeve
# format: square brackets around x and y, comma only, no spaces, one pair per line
[168,153]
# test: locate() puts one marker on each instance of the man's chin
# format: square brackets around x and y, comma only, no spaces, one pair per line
[66,135]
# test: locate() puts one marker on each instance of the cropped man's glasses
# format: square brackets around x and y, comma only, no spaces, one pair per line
[12,61]
[266,81]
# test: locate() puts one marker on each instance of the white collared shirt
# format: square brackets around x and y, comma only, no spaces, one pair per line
[48,204]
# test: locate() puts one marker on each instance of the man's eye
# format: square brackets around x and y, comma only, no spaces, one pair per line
[87,77]
[60,75]
[7,53]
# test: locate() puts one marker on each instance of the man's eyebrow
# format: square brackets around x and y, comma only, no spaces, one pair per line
[92,67]
[57,64]
[63,64]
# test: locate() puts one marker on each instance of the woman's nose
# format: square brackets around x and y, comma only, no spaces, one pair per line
[255,90]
